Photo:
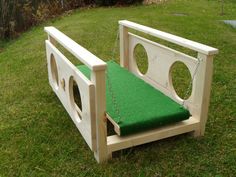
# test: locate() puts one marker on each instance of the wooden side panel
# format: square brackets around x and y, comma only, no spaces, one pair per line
[67,72]
[91,122]
[160,61]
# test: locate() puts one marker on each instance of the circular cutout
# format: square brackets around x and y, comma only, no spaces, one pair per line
[75,97]
[54,71]
[181,80]
[141,58]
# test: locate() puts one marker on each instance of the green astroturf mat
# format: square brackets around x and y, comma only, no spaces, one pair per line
[141,107]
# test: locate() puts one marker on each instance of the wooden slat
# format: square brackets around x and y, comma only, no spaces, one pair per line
[175,52]
[116,126]
[99,80]
[124,46]
[116,143]
[86,57]
[171,38]
[202,90]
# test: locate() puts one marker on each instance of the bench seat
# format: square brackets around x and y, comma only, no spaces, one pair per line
[138,106]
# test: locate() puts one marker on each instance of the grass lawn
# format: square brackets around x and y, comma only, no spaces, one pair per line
[37,137]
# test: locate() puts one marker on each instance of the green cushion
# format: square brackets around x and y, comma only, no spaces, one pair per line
[141,107]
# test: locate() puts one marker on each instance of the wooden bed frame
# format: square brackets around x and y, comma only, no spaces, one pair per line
[91,121]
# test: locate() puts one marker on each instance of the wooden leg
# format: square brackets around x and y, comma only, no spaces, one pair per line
[109,155]
[197,133]
[101,153]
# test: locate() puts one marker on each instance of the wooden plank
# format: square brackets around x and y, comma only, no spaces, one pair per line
[86,57]
[101,153]
[124,46]
[171,38]
[116,143]
[152,43]
[116,126]
[202,90]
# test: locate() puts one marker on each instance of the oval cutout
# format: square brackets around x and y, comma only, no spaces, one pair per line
[181,80]
[75,97]
[141,58]
[54,71]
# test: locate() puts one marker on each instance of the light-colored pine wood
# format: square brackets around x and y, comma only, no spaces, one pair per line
[68,72]
[86,57]
[202,91]
[116,143]
[52,40]
[98,78]
[171,38]
[124,46]
[160,61]
[116,126]
[91,120]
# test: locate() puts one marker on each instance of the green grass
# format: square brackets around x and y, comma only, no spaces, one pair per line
[37,137]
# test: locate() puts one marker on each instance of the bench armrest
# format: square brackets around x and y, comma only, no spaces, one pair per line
[86,57]
[171,38]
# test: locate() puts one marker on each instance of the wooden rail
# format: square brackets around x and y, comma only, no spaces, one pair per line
[86,57]
[204,49]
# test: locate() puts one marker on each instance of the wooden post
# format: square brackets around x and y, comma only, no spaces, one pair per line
[202,82]
[124,46]
[52,40]
[98,78]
